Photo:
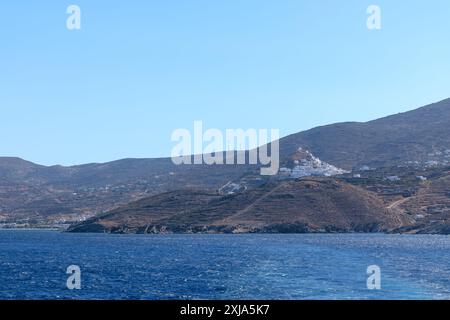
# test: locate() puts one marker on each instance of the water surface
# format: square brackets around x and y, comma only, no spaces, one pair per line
[33,266]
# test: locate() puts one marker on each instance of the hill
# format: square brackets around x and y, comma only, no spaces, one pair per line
[32,194]
[311,205]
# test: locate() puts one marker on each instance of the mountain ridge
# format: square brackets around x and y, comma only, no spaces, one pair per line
[65,194]
[439,105]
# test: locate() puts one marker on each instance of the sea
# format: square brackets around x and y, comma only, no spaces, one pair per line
[39,264]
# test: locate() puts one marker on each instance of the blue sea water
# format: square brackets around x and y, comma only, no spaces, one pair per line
[332,266]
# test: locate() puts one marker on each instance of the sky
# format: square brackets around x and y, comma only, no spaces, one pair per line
[138,70]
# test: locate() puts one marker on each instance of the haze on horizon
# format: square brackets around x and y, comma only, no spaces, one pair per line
[136,71]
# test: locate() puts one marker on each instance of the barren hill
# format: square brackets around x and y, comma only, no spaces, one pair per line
[312,205]
[32,194]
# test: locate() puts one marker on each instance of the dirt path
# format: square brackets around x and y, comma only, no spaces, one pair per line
[395,204]
[252,205]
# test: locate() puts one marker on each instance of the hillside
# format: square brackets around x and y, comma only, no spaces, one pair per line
[32,194]
[312,205]
[419,135]
[393,199]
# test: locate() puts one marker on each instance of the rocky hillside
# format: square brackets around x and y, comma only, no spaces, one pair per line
[308,205]
[393,199]
[421,136]
[32,194]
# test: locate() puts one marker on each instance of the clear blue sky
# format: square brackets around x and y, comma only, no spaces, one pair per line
[137,70]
